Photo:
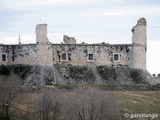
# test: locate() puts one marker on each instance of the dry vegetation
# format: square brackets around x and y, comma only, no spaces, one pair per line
[47,103]
[85,104]
[69,102]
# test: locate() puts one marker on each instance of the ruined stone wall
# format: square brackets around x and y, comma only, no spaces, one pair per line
[69,40]
[102,54]
[19,54]
[76,54]
[45,53]
[7,51]
[27,54]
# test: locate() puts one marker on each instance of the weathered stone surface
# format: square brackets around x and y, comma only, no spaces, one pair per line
[69,40]
[41,34]
[45,53]
[139,41]
[44,75]
[66,74]
[129,56]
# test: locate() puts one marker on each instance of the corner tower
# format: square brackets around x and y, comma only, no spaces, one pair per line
[139,41]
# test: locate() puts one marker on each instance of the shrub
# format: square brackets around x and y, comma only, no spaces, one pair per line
[90,104]
[136,76]
[81,74]
[4,70]
[107,73]
[22,70]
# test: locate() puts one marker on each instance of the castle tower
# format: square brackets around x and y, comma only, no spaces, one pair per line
[44,52]
[41,34]
[139,41]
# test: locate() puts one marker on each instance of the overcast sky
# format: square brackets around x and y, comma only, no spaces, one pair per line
[91,21]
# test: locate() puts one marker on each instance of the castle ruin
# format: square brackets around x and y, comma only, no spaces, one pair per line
[44,52]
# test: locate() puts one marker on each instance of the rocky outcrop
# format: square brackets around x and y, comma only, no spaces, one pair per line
[66,74]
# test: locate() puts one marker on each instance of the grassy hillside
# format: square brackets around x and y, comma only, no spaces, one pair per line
[139,102]
[132,102]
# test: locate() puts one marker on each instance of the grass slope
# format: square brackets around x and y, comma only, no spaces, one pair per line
[132,102]
[139,102]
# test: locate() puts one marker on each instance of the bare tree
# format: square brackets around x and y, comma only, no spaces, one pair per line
[10,96]
[48,105]
[90,104]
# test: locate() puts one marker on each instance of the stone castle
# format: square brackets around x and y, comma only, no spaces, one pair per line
[69,52]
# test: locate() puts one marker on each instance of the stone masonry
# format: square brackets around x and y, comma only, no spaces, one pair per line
[46,53]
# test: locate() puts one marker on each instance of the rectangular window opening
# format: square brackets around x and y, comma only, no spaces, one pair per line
[90,57]
[116,57]
[4,58]
[64,57]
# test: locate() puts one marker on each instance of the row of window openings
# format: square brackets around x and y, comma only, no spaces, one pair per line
[65,56]
[116,57]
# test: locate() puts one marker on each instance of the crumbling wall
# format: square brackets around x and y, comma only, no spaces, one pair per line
[27,54]
[18,54]
[41,34]
[102,54]
[69,40]
[7,51]
[46,54]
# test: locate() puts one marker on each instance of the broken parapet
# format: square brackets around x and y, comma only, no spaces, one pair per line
[69,40]
[41,34]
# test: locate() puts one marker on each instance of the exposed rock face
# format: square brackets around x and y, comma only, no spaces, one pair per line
[66,74]
[44,75]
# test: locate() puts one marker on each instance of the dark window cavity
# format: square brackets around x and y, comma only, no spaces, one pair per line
[116,57]
[4,57]
[90,56]
[64,56]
